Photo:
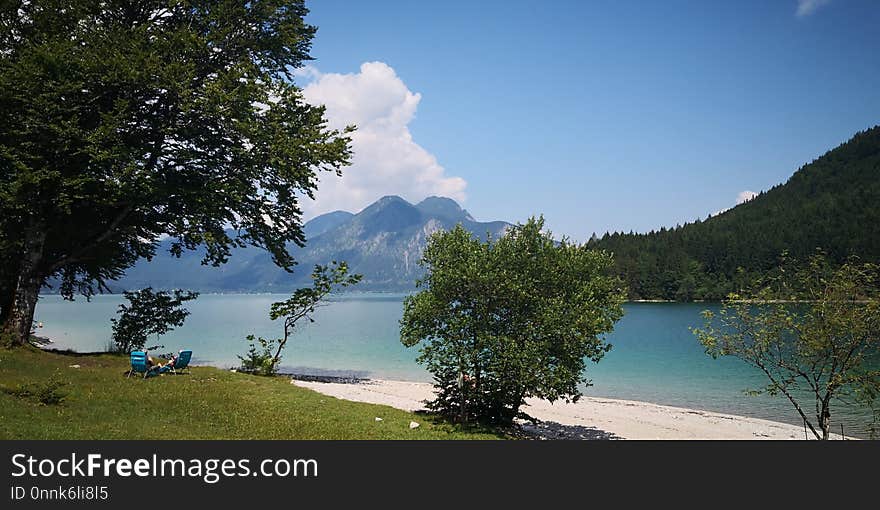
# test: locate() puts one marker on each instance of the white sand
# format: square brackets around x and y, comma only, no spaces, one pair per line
[623,418]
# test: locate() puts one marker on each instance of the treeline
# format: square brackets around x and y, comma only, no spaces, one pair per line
[832,204]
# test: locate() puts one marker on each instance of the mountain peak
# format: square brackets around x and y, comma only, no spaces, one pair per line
[388,214]
[390,199]
[439,201]
[443,207]
[325,222]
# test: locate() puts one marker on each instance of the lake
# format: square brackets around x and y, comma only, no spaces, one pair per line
[655,358]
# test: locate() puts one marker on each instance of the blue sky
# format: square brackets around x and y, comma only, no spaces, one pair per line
[602,115]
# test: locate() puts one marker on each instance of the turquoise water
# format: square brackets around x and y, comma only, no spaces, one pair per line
[655,358]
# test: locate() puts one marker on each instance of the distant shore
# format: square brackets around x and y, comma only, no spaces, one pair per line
[591,416]
[354,293]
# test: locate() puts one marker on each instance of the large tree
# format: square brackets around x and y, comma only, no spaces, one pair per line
[504,320]
[122,121]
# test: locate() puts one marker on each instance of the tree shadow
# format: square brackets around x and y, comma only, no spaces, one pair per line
[544,430]
[530,428]
[326,376]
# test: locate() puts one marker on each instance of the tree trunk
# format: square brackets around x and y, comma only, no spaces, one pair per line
[277,358]
[8,281]
[825,422]
[19,321]
[462,388]
[7,298]
[462,399]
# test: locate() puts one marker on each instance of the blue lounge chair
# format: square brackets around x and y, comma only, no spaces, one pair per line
[139,363]
[182,361]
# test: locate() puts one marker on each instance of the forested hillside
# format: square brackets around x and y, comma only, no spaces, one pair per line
[831,204]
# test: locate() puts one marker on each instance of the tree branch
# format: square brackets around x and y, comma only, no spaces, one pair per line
[77,254]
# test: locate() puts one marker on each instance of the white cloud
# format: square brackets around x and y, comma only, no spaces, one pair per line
[745,196]
[741,198]
[308,71]
[386,160]
[807,7]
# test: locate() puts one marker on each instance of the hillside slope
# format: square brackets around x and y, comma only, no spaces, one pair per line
[832,204]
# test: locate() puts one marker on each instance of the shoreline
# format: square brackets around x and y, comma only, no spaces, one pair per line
[590,417]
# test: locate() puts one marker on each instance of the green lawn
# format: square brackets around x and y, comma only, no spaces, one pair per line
[208,403]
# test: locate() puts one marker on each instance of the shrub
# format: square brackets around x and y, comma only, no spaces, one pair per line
[148,313]
[46,393]
[259,361]
[501,321]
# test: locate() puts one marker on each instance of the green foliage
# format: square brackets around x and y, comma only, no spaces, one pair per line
[874,426]
[122,122]
[301,305]
[259,361]
[149,313]
[501,321]
[47,393]
[832,203]
[812,330]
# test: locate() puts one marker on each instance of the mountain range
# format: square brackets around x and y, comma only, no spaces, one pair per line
[383,242]
[832,204]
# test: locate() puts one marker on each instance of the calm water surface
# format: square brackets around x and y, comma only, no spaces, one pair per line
[655,357]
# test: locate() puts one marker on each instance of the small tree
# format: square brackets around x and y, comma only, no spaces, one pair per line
[259,360]
[301,305]
[149,313]
[814,332]
[503,321]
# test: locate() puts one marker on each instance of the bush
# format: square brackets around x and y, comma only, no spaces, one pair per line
[46,393]
[259,361]
[501,321]
[148,313]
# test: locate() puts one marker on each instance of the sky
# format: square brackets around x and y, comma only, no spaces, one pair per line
[600,115]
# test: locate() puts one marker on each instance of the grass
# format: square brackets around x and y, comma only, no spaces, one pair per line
[98,402]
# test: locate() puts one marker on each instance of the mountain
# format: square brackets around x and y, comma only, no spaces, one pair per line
[831,204]
[320,224]
[441,207]
[384,242]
